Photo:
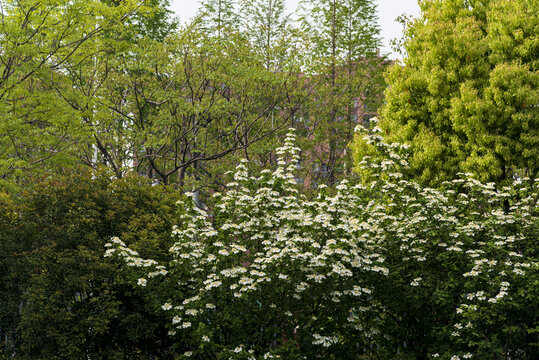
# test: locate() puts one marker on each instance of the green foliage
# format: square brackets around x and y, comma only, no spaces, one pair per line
[42,41]
[59,299]
[466,97]
[168,108]
[10,280]
[387,268]
[343,29]
[267,27]
[219,17]
[346,70]
[182,104]
[129,93]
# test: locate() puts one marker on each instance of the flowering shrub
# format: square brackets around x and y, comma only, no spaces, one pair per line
[383,268]
[461,259]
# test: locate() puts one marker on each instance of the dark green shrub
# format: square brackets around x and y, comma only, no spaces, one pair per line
[61,299]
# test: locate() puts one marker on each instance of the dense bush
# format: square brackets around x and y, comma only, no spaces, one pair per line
[462,259]
[389,270]
[59,298]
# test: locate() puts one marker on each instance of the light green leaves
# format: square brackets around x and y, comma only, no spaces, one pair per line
[470,82]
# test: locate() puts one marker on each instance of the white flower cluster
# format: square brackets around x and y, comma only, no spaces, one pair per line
[465,221]
[272,237]
[131,258]
[325,341]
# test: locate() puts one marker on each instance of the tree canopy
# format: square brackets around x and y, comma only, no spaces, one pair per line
[465,98]
[59,298]
[41,42]
[125,91]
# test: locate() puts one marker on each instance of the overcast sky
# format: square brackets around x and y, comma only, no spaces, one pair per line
[388,10]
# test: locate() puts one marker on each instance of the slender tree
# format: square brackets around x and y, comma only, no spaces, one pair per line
[344,63]
[266,24]
[217,15]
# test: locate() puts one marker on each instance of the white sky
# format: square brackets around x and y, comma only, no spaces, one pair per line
[388,10]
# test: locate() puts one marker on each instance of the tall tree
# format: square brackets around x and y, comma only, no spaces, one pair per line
[153,21]
[466,97]
[344,62]
[217,15]
[265,23]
